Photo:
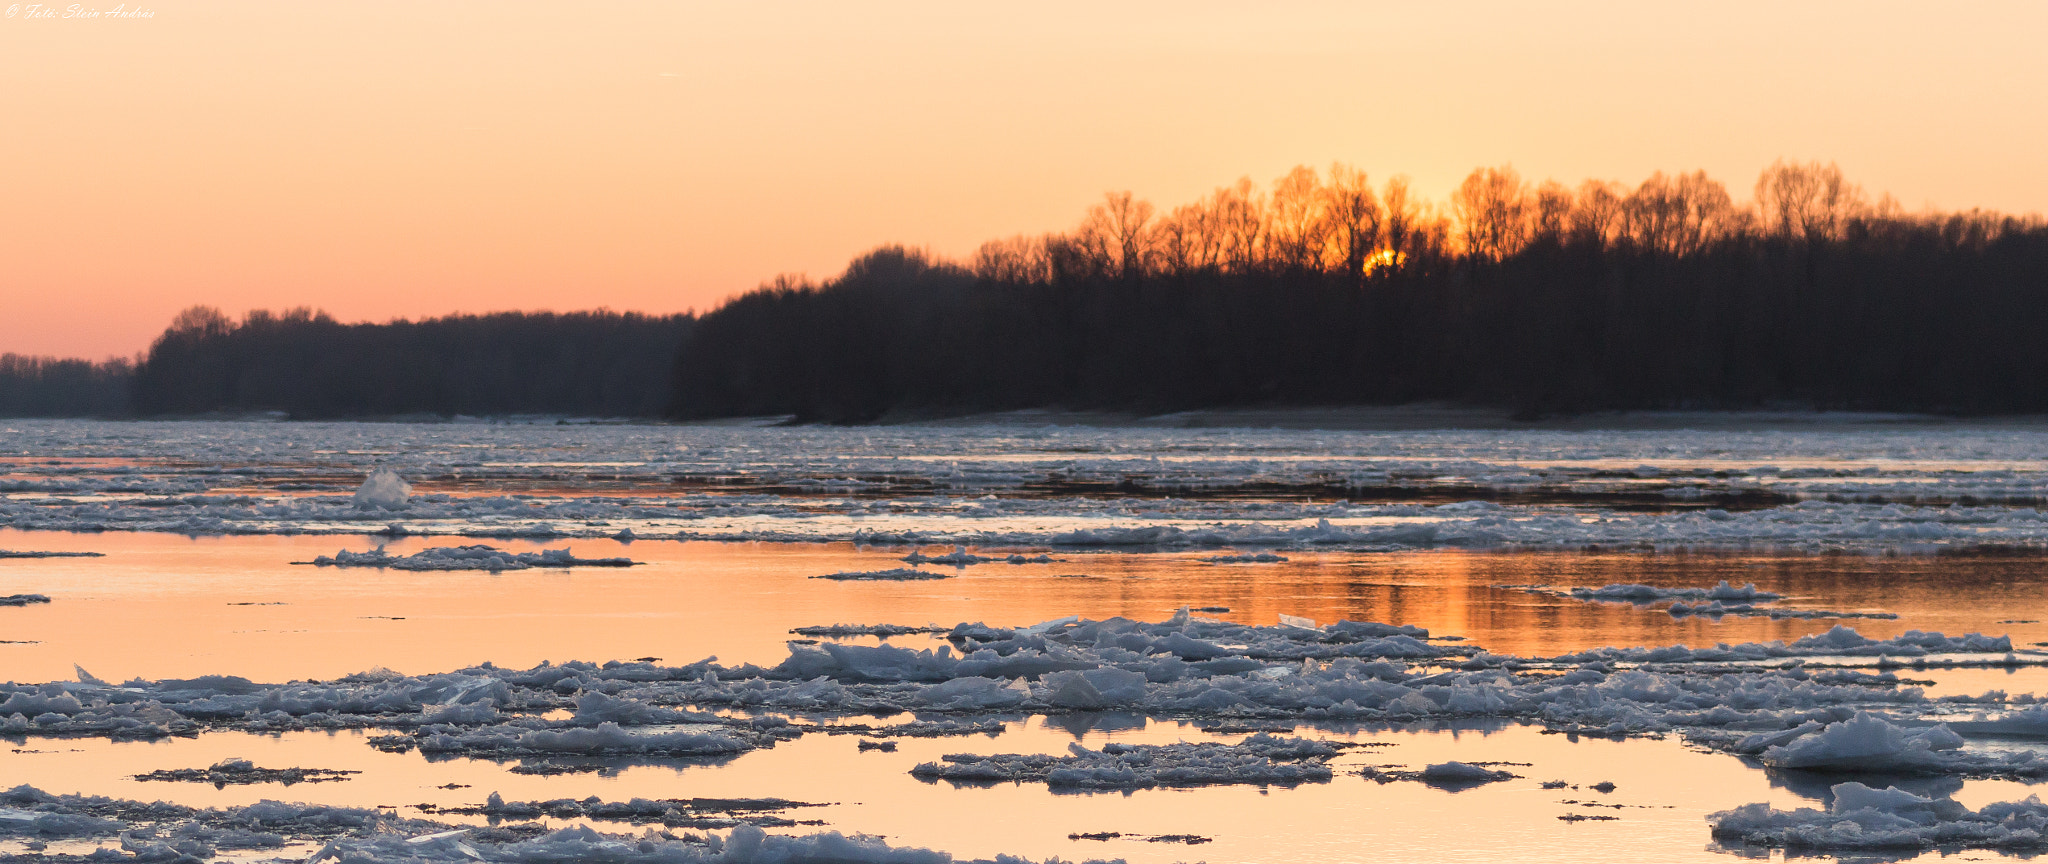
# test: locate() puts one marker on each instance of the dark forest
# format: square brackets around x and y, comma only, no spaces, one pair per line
[1322,289]
[601,364]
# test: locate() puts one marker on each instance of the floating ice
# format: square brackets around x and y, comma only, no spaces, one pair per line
[1632,592]
[1908,487]
[2025,723]
[700,813]
[1868,743]
[1258,760]
[605,739]
[882,630]
[900,574]
[238,772]
[1721,600]
[382,490]
[1462,773]
[1862,818]
[959,557]
[1717,609]
[474,557]
[169,832]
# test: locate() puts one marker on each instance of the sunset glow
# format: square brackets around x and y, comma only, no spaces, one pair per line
[382,159]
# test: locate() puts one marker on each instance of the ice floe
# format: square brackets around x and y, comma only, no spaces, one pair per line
[1260,760]
[239,772]
[1451,775]
[1865,819]
[473,557]
[1186,666]
[1637,593]
[882,630]
[960,557]
[899,574]
[168,832]
[1850,490]
[1867,743]
[1724,599]
[1795,706]
[383,490]
[700,813]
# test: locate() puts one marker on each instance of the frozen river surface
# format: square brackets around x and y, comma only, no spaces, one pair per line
[1203,703]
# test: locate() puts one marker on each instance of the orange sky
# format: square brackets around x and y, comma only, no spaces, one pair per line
[380,159]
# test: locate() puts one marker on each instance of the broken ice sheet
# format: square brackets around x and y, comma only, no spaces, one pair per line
[471,557]
[1862,818]
[900,574]
[1261,760]
[237,772]
[1453,776]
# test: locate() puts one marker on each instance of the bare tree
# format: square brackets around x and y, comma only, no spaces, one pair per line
[1596,212]
[1126,226]
[1492,207]
[1402,230]
[1806,202]
[201,321]
[1298,227]
[1355,219]
[1017,259]
[1239,214]
[1677,215]
[1188,240]
[1553,213]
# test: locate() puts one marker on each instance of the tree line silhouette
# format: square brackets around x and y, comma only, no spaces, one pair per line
[54,387]
[1321,288]
[604,364]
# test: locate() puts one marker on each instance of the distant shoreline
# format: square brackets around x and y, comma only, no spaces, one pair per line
[1355,418]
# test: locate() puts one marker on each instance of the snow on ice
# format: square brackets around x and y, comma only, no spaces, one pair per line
[1781,714]
[1865,819]
[170,832]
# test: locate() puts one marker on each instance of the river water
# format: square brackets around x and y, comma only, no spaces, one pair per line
[203,531]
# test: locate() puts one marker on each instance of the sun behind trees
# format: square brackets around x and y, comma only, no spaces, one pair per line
[1337,224]
[1323,288]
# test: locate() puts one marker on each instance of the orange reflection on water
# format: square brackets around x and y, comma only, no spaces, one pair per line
[162,606]
[168,606]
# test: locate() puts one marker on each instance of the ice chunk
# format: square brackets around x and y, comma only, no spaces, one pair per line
[1462,773]
[2026,723]
[1297,621]
[471,557]
[1863,818]
[1864,743]
[959,557]
[383,490]
[900,574]
[1258,760]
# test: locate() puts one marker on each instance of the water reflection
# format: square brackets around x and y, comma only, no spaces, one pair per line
[164,606]
[161,606]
